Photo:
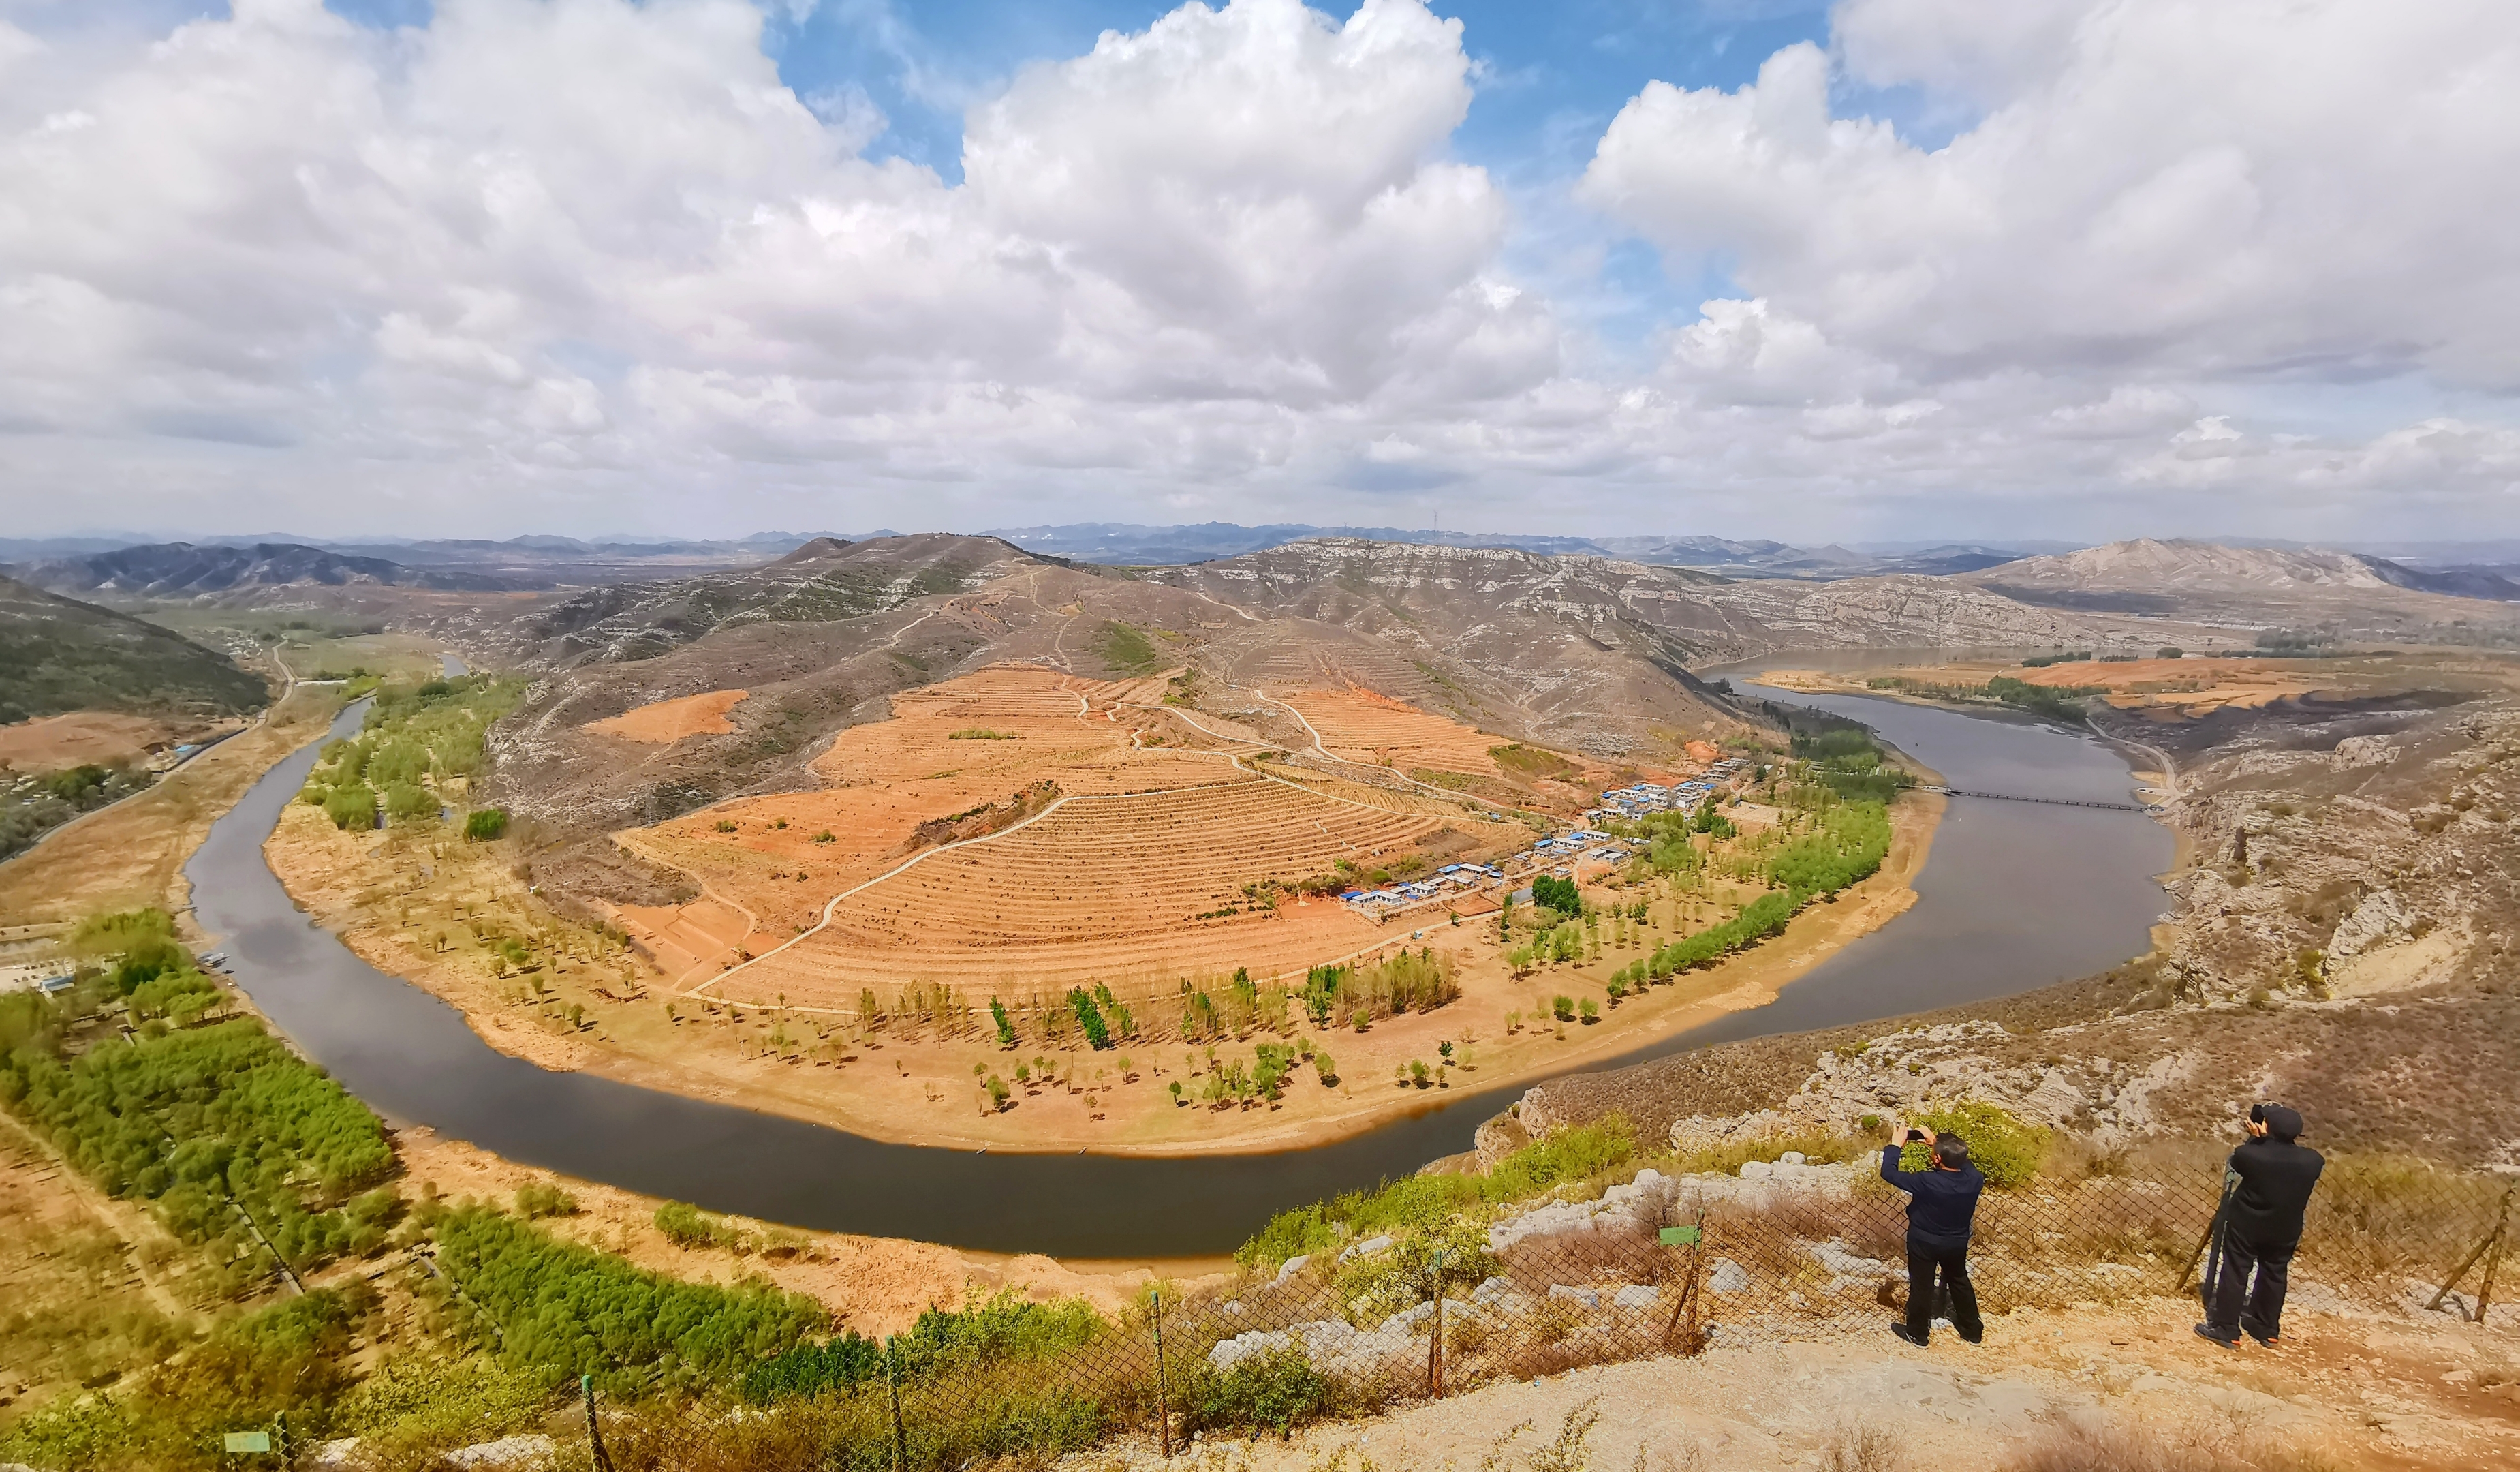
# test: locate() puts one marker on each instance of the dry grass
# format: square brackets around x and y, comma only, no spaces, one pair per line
[130,855]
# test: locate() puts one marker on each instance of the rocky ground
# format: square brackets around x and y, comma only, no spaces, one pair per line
[2127,1390]
[2344,918]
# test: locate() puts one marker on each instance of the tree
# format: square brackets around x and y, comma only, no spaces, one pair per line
[1559,894]
[1097,1034]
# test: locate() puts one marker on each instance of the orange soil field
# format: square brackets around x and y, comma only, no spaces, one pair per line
[1360,725]
[666,722]
[49,743]
[1101,886]
[1103,889]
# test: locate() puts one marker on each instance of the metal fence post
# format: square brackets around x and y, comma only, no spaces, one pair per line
[1435,1341]
[594,1432]
[2213,1226]
[1163,1394]
[892,1394]
[2491,1249]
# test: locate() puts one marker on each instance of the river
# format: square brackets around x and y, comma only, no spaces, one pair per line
[2014,895]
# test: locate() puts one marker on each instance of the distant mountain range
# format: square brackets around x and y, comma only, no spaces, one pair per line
[217,566]
[1123,544]
[183,570]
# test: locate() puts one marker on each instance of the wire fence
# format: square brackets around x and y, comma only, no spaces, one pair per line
[1659,1266]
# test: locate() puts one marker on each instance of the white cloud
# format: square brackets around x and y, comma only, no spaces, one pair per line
[546,260]
[2187,186]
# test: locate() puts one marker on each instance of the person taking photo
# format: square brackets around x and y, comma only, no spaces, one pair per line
[2266,1186]
[1941,1211]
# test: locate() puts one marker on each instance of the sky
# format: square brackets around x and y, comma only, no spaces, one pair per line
[1877,269]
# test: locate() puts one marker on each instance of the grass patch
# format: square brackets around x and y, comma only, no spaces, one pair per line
[1419,1201]
[983,733]
[1529,761]
[1127,649]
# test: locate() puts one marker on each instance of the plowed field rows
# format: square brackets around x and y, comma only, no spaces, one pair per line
[1389,800]
[1124,879]
[1295,937]
[1363,726]
[1093,891]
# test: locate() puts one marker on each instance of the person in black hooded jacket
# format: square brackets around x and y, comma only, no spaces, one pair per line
[2269,1181]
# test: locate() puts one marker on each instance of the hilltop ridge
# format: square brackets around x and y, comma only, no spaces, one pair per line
[177,571]
[2212,580]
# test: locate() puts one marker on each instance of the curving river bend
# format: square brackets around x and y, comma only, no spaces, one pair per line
[2013,895]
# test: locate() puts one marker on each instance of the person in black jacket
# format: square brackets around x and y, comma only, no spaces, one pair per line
[2267,1188]
[1942,1211]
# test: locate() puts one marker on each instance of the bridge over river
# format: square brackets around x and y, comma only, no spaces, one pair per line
[2014,797]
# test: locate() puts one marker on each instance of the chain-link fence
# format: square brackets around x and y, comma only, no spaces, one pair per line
[1657,1266]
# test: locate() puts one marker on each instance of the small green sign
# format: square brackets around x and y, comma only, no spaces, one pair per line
[239,1442]
[1680,1236]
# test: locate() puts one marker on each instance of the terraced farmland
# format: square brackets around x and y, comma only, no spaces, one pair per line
[1359,725]
[1019,823]
[1134,892]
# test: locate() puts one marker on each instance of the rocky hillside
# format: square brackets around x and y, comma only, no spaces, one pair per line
[58,655]
[1541,621]
[172,571]
[823,582]
[2291,587]
[2345,926]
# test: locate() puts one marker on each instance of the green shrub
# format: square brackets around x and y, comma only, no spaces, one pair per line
[687,1225]
[422,1402]
[407,801]
[1277,1391]
[353,806]
[813,1368]
[2005,1148]
[538,1198]
[1418,1202]
[485,825]
[564,1310]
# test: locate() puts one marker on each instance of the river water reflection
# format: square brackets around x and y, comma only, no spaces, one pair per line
[2014,895]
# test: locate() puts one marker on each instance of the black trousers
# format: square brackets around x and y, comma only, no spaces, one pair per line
[1928,1260]
[2240,1303]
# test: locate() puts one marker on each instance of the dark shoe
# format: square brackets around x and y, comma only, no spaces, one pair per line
[2269,1340]
[1973,1336]
[1907,1334]
[2208,1331]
